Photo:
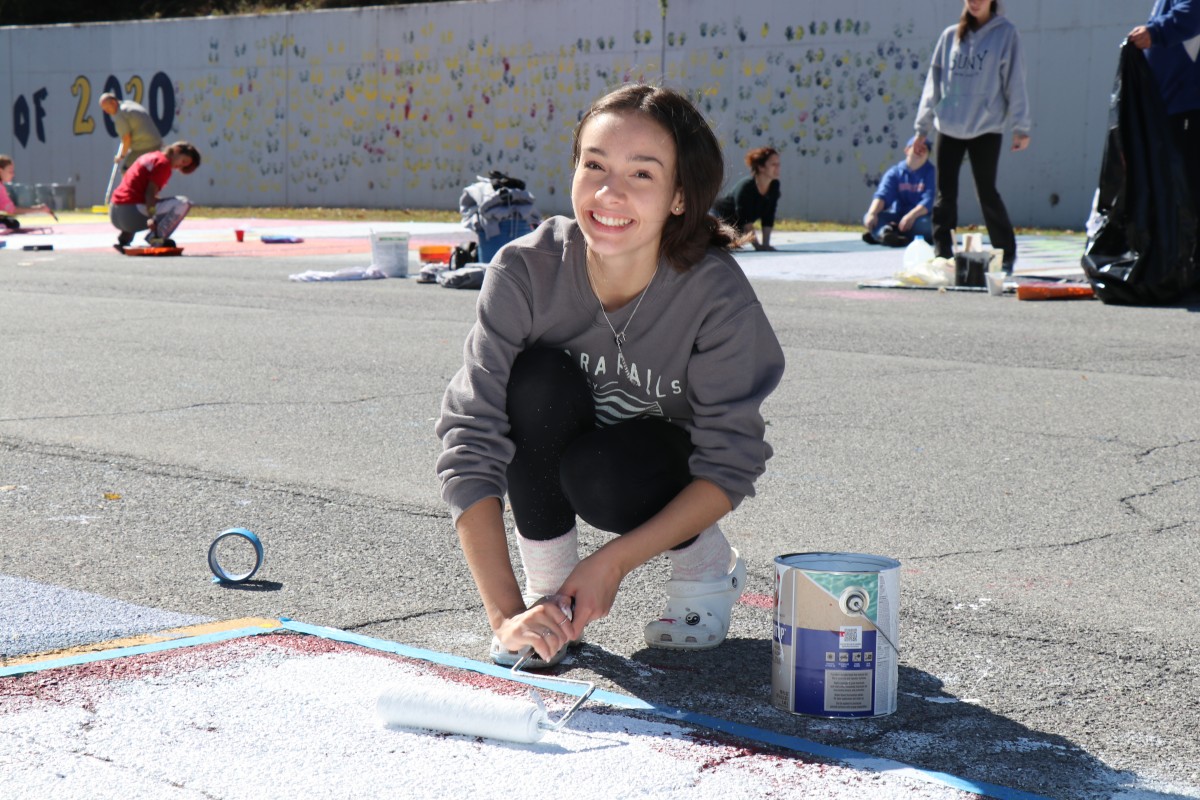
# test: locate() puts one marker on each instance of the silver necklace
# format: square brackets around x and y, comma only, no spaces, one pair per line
[619,336]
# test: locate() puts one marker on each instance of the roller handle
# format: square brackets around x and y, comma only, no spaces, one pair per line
[526,653]
[112,177]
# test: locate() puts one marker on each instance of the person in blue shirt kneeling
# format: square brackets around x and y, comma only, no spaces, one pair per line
[900,209]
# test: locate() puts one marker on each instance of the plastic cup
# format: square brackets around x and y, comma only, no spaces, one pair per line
[241,235]
[995,282]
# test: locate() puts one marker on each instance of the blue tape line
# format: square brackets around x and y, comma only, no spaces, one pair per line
[458,662]
[851,758]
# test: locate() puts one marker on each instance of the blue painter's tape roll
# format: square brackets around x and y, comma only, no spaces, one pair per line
[221,575]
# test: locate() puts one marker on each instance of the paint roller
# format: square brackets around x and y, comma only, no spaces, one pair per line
[475,713]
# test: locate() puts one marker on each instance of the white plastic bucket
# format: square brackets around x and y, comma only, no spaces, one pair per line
[389,253]
[834,652]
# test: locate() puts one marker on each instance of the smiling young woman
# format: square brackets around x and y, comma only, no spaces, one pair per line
[615,374]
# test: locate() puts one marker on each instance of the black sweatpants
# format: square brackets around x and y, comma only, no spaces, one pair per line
[984,152]
[614,478]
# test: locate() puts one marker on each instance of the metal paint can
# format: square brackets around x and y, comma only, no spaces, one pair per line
[835,648]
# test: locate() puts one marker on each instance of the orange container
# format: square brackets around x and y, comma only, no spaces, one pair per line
[1054,291]
[436,253]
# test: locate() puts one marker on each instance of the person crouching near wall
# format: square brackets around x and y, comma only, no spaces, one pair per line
[137,205]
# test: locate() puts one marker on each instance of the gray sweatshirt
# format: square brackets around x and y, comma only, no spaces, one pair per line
[701,352]
[977,85]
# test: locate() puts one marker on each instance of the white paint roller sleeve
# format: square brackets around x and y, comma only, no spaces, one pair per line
[465,711]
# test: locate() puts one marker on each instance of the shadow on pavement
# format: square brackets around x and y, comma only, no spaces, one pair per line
[930,730]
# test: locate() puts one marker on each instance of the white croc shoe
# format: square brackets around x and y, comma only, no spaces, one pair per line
[697,612]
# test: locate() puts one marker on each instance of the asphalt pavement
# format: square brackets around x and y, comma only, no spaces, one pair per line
[1035,467]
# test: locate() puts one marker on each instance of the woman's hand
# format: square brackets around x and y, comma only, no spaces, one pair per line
[1020,141]
[1139,37]
[546,627]
[592,585]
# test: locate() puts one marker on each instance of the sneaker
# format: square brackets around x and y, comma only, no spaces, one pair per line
[697,612]
[120,248]
[507,658]
[892,237]
[155,241]
[869,238]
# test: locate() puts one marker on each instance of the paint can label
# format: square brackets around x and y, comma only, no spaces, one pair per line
[836,633]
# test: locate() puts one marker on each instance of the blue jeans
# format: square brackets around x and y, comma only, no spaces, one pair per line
[921,227]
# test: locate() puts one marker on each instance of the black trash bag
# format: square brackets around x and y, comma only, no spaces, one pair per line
[1141,253]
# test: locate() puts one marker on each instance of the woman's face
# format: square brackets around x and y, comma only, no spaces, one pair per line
[979,9]
[180,161]
[770,167]
[624,188]
[6,173]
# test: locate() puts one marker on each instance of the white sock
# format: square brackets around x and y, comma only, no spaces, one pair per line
[708,558]
[548,563]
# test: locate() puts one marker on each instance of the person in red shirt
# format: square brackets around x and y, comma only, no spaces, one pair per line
[9,209]
[136,204]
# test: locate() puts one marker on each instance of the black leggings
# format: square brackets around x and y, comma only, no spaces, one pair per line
[984,152]
[614,478]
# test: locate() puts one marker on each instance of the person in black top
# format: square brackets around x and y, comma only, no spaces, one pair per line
[754,197]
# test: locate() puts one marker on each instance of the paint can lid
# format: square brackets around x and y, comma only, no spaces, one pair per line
[837,562]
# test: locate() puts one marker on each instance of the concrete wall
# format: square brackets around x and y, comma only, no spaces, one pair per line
[402,106]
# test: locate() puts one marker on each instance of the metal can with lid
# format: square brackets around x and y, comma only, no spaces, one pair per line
[835,647]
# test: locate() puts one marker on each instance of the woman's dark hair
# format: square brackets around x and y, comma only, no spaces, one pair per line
[967,21]
[756,159]
[699,168]
[186,149]
[5,161]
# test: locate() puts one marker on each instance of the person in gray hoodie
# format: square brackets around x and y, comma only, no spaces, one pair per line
[975,89]
[614,374]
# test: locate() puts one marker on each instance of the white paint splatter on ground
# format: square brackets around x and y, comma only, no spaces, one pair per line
[294,716]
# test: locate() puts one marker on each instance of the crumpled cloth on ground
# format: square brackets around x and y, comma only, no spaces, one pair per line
[468,277]
[348,274]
